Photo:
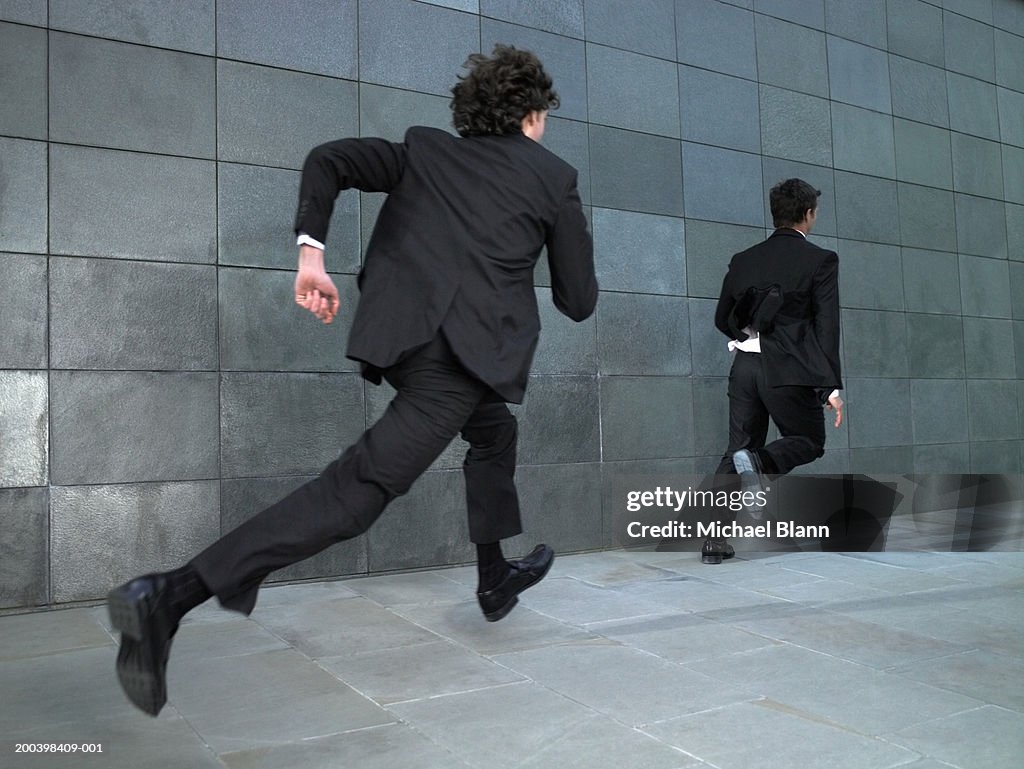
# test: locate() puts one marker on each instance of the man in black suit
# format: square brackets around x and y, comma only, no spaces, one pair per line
[447,315]
[779,307]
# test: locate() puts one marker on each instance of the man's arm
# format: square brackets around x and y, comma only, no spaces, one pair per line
[724,307]
[371,165]
[825,305]
[571,259]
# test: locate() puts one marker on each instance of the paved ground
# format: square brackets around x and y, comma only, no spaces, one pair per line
[624,660]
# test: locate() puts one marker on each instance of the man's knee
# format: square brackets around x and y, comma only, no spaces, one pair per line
[493,439]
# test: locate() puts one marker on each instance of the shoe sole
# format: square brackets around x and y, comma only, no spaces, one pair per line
[128,611]
[498,614]
[716,558]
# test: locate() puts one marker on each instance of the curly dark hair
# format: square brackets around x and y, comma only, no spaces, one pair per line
[790,201]
[499,91]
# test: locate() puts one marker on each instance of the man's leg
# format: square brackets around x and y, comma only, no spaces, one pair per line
[800,418]
[435,398]
[748,415]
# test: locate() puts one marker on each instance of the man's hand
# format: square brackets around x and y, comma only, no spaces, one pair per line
[835,403]
[314,289]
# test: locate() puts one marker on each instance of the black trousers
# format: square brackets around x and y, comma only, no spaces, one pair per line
[796,411]
[436,399]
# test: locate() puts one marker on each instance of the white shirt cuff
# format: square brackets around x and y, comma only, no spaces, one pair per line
[833,394]
[305,240]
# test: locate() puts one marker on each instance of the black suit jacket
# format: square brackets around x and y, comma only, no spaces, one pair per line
[801,344]
[455,245]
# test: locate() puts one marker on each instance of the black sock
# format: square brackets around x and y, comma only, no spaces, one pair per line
[491,565]
[186,590]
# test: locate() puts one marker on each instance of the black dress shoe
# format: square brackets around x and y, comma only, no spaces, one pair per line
[524,573]
[139,609]
[716,550]
[748,466]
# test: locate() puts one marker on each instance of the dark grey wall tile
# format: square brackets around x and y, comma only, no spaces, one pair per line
[558,421]
[613,80]
[870,275]
[987,404]
[710,415]
[919,91]
[377,399]
[722,185]
[619,477]
[923,154]
[776,64]
[981,10]
[888,460]
[23,196]
[810,13]
[560,505]
[570,140]
[23,86]
[273,117]
[663,323]
[1017,290]
[169,202]
[1018,346]
[942,458]
[711,356]
[23,317]
[122,427]
[320,38]
[716,36]
[931,281]
[860,20]
[565,347]
[287,424]
[470,6]
[1009,60]
[163,100]
[795,126]
[1015,231]
[1011,116]
[1008,15]
[866,208]
[1013,174]
[995,457]
[719,109]
[563,17]
[977,166]
[648,27]
[240,500]
[564,59]
[103,535]
[858,75]
[426,527]
[635,171]
[936,344]
[24,548]
[915,31]
[150,22]
[981,226]
[879,413]
[255,212]
[970,46]
[24,427]
[985,287]
[862,141]
[775,171]
[639,252]
[875,343]
[987,354]
[388,112]
[434,43]
[262,329]
[115,314]
[972,106]
[709,248]
[646,417]
[24,11]
[939,410]
[927,218]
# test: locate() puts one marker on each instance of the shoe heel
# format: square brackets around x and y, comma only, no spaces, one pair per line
[711,558]
[126,612]
[494,616]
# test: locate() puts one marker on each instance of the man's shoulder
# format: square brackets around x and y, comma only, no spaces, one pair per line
[422,133]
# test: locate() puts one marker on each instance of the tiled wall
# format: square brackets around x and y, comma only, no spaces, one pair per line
[158,386]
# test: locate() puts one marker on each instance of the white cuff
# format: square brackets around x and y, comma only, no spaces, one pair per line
[833,394]
[305,240]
